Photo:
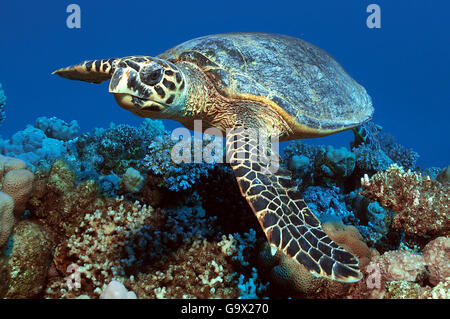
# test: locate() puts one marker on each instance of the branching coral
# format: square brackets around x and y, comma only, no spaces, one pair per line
[422,204]
[98,244]
[173,253]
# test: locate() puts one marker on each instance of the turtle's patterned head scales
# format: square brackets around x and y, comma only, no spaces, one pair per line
[147,86]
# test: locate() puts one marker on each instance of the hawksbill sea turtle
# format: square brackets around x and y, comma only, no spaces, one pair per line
[235,81]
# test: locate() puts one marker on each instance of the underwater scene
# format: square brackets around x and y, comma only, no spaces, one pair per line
[224,150]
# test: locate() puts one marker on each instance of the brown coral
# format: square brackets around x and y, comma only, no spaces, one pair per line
[29,260]
[60,204]
[422,204]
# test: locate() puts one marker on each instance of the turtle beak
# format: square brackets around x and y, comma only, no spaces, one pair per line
[94,71]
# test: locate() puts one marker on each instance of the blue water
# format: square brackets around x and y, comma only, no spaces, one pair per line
[404,65]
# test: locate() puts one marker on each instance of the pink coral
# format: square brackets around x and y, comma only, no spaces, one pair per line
[422,204]
[399,265]
[437,257]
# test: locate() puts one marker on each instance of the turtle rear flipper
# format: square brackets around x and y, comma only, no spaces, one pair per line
[284,216]
[93,71]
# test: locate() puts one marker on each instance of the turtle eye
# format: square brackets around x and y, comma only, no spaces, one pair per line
[151,76]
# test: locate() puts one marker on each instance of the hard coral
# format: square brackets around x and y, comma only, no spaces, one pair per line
[16,184]
[398,153]
[422,204]
[132,181]
[29,261]
[404,274]
[116,290]
[436,255]
[34,147]
[99,244]
[59,203]
[400,265]
[6,217]
[57,128]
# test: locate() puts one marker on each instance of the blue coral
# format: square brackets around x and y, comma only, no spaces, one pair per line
[34,147]
[328,203]
[57,128]
[371,160]
[398,153]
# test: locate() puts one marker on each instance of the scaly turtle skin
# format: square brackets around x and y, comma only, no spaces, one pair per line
[239,81]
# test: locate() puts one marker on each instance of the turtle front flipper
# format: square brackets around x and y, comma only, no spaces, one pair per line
[93,71]
[284,216]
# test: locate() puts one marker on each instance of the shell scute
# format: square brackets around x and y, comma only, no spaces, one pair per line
[303,80]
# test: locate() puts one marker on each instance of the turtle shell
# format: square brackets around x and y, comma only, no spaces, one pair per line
[298,77]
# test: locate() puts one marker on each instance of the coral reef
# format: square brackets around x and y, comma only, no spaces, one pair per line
[404,274]
[406,158]
[57,128]
[108,214]
[436,255]
[29,261]
[444,175]
[422,204]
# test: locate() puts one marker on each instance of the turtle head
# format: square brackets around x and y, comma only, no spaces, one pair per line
[146,86]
